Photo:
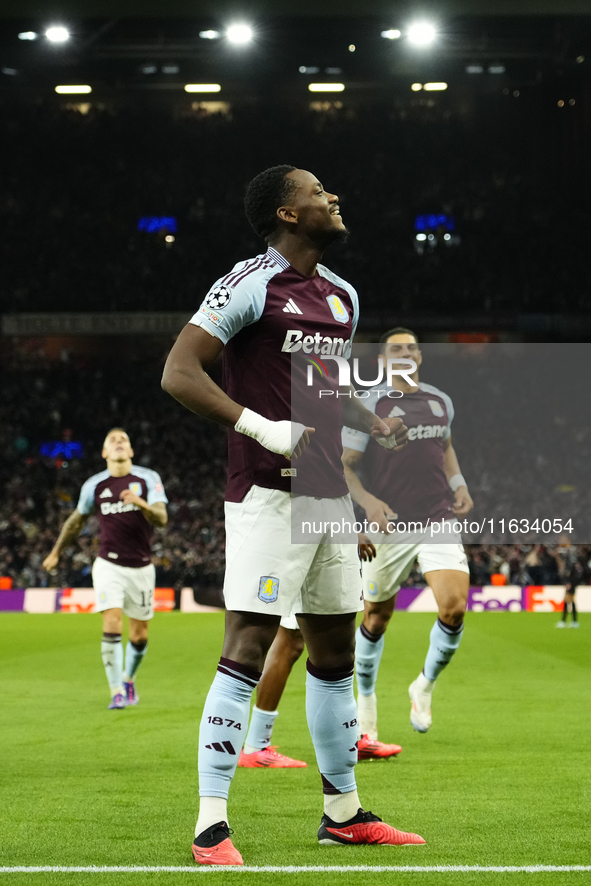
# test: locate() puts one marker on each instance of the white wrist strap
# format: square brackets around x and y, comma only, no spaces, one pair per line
[456,481]
[278,436]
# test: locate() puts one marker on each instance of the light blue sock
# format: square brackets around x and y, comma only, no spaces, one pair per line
[223,724]
[445,639]
[112,656]
[368,655]
[260,730]
[134,655]
[332,720]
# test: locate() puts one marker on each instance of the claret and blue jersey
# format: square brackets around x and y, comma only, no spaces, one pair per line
[263,312]
[413,480]
[124,531]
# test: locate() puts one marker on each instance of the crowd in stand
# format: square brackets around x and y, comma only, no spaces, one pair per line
[78,183]
[77,400]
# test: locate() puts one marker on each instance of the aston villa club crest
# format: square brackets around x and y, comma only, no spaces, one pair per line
[268,588]
[136,488]
[436,408]
[337,308]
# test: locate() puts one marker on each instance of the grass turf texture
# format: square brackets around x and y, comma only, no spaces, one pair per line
[502,778]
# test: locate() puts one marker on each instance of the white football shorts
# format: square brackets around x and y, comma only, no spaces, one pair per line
[124,587]
[266,573]
[393,562]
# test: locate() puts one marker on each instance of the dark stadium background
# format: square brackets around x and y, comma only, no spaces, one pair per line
[90,303]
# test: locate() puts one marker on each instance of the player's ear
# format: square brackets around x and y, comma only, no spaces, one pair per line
[104,452]
[419,358]
[287,214]
[131,452]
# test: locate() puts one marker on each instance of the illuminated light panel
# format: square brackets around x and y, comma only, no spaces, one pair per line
[416,87]
[28,35]
[57,34]
[326,87]
[391,34]
[434,87]
[421,33]
[71,89]
[239,34]
[203,87]
[421,237]
[209,35]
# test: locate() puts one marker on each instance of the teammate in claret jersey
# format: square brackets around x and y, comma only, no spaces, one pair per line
[128,501]
[424,487]
[260,313]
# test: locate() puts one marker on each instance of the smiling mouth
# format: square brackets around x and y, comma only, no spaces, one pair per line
[336,211]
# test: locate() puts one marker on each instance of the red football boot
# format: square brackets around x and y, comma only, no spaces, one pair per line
[364,829]
[372,749]
[214,846]
[268,758]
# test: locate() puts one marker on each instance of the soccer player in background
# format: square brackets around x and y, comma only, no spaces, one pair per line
[128,500]
[259,314]
[571,573]
[425,486]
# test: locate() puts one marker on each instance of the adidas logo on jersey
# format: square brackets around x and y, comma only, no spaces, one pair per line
[396,411]
[106,493]
[292,308]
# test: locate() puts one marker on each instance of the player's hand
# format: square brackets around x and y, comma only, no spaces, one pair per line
[391,433]
[366,548]
[302,443]
[51,562]
[130,498]
[379,512]
[463,503]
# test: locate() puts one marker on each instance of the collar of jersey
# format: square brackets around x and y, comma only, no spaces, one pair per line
[278,258]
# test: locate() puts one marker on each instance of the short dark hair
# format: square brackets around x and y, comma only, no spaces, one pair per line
[112,431]
[264,195]
[399,330]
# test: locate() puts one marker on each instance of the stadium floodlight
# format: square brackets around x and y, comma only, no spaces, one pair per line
[203,87]
[421,237]
[326,87]
[307,69]
[421,33]
[391,34]
[474,69]
[209,35]
[28,35]
[496,69]
[434,87]
[57,34]
[447,236]
[416,87]
[72,89]
[169,238]
[239,34]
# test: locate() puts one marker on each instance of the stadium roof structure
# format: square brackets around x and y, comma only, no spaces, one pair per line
[278,8]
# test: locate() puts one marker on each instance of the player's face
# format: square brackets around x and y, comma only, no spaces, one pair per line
[403,346]
[316,211]
[117,447]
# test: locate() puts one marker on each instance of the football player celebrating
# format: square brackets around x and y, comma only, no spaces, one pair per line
[258,314]
[128,500]
[424,486]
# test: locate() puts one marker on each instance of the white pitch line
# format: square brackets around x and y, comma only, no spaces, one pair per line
[303,869]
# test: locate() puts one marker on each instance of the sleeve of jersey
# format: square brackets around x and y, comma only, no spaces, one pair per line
[226,309]
[86,501]
[155,489]
[353,439]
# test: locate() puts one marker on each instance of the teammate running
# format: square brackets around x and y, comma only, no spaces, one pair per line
[424,485]
[128,500]
[258,314]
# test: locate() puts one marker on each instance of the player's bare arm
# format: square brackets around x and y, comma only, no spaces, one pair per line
[155,514]
[356,415]
[463,503]
[185,378]
[376,511]
[69,533]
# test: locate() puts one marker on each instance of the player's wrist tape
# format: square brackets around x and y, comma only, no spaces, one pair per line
[277,436]
[456,481]
[388,442]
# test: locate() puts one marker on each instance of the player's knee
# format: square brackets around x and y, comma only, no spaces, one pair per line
[454,611]
[377,620]
[296,646]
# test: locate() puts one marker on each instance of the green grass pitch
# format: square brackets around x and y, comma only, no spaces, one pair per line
[502,778]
